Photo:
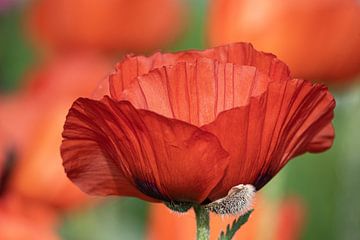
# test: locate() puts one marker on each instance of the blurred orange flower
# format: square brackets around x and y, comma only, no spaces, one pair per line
[106,25]
[268,221]
[318,39]
[21,220]
[31,123]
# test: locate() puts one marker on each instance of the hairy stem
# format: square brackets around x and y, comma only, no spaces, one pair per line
[202,223]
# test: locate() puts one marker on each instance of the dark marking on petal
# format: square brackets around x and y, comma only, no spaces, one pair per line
[262,180]
[206,201]
[8,168]
[150,189]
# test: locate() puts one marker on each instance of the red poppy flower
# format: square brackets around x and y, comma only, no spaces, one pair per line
[318,39]
[107,25]
[187,127]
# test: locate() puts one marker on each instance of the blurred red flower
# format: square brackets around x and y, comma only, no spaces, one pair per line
[318,39]
[31,124]
[281,221]
[107,25]
[191,125]
[21,220]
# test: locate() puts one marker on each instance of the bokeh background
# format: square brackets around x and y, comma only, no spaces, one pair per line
[52,52]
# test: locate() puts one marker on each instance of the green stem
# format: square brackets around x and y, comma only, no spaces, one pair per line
[202,223]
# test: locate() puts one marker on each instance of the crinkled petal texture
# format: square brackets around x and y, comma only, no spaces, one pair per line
[238,53]
[191,125]
[112,148]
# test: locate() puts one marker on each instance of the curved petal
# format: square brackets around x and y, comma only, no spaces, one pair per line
[274,127]
[196,92]
[237,53]
[110,148]
[323,140]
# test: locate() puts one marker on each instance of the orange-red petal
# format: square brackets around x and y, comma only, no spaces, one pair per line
[237,53]
[270,130]
[110,148]
[323,140]
[196,92]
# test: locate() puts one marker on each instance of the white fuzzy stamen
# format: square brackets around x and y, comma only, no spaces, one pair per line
[239,201]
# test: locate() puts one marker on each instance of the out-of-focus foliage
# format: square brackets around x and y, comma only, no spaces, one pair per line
[116,218]
[16,56]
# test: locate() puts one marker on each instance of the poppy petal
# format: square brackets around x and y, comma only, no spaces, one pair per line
[237,53]
[323,140]
[110,148]
[270,130]
[182,93]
